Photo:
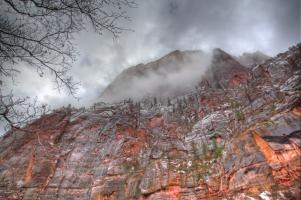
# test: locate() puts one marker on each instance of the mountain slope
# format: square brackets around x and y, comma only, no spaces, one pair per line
[170,75]
[225,71]
[212,143]
[176,74]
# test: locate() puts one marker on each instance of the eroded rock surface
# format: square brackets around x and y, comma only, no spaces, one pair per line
[239,142]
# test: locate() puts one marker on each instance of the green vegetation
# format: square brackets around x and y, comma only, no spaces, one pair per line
[195,151]
[200,168]
[273,107]
[3,181]
[275,194]
[205,150]
[218,149]
[131,165]
[234,104]
[201,163]
[239,115]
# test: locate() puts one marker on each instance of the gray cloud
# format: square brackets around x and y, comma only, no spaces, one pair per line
[161,26]
[181,72]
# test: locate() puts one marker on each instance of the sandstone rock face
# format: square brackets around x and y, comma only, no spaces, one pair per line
[240,142]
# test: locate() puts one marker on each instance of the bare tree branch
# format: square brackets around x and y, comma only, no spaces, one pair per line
[16,112]
[40,33]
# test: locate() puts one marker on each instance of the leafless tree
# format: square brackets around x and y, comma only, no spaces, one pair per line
[40,33]
[15,112]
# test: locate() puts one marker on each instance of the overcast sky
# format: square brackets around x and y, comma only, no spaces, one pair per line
[161,26]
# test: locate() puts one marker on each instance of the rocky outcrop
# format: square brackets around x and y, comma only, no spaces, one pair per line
[225,71]
[238,142]
[265,158]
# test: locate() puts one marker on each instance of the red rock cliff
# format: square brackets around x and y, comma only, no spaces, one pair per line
[234,143]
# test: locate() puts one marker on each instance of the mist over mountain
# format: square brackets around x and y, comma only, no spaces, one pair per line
[173,100]
[160,27]
[169,76]
[255,58]
[179,72]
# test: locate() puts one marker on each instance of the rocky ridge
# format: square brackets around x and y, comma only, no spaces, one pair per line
[240,139]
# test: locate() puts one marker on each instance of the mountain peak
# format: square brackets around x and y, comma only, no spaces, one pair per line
[225,71]
[219,54]
[177,73]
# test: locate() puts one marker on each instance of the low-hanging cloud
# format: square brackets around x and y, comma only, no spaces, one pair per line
[161,26]
[170,76]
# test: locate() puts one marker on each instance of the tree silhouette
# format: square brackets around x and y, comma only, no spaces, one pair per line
[40,33]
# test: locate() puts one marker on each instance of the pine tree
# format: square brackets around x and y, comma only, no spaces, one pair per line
[168,101]
[155,101]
